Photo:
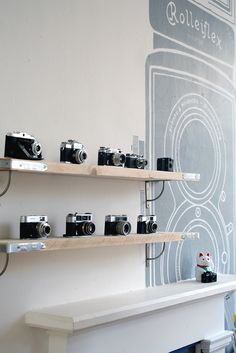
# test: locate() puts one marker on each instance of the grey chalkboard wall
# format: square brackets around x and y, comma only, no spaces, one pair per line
[190,113]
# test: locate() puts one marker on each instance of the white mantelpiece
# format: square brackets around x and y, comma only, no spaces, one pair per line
[171,315]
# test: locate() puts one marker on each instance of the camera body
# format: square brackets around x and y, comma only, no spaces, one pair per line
[165,164]
[21,145]
[111,157]
[117,225]
[72,151]
[135,161]
[78,224]
[146,224]
[208,277]
[34,227]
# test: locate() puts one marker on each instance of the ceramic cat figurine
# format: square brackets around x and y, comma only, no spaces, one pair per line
[203,269]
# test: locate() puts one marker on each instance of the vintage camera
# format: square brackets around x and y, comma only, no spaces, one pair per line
[146,224]
[22,145]
[117,225]
[34,227]
[165,164]
[135,161]
[112,157]
[72,152]
[79,224]
[208,277]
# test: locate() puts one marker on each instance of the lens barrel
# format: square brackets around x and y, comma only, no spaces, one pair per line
[36,148]
[43,229]
[80,156]
[152,227]
[88,228]
[118,159]
[123,228]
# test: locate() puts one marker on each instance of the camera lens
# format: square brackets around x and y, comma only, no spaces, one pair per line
[123,228]
[36,148]
[83,155]
[80,156]
[152,227]
[118,159]
[122,158]
[140,163]
[43,229]
[88,228]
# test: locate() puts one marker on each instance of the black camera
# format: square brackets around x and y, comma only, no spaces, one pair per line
[34,227]
[165,164]
[135,161]
[117,225]
[208,277]
[22,146]
[79,224]
[112,157]
[72,152]
[146,224]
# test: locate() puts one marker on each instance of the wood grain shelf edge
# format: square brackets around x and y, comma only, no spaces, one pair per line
[83,170]
[62,243]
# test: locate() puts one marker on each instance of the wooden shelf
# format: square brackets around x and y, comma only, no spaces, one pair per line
[83,170]
[61,243]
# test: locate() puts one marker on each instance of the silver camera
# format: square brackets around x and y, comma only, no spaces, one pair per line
[146,224]
[79,224]
[111,156]
[34,227]
[22,146]
[117,225]
[73,151]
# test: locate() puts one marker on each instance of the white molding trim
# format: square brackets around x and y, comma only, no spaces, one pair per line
[57,342]
[215,343]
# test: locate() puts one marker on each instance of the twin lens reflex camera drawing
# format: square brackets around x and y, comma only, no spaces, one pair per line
[190,118]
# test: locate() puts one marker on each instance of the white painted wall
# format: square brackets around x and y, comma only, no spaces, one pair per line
[69,69]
